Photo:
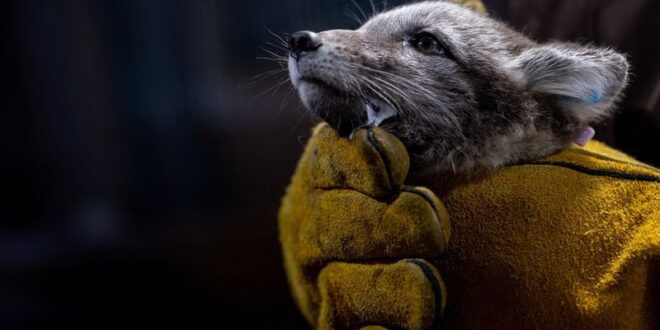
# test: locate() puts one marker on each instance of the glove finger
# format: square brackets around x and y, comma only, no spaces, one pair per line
[348,225]
[371,161]
[408,294]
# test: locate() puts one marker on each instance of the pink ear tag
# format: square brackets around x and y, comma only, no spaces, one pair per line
[584,136]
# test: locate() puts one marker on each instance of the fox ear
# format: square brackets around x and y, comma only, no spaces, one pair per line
[586,81]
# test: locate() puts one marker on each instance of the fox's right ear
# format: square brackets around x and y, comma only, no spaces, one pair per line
[585,80]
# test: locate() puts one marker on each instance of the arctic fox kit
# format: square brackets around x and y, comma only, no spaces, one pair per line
[463,91]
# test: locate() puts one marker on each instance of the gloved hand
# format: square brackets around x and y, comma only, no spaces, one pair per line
[359,246]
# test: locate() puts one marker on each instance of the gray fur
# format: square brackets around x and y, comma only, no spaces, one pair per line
[493,98]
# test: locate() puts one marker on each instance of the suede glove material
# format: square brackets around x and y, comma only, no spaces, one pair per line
[357,242]
[571,241]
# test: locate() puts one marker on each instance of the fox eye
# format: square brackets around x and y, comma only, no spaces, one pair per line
[427,44]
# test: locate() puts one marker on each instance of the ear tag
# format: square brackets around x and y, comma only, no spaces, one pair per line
[594,97]
[584,136]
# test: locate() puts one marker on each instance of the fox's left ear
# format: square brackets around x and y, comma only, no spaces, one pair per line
[586,81]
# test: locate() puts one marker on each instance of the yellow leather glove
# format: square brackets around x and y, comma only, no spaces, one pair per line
[359,246]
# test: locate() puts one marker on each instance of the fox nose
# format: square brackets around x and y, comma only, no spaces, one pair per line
[303,41]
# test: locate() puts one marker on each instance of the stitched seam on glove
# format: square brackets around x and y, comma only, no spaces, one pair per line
[592,154]
[596,172]
[386,161]
[434,207]
[435,286]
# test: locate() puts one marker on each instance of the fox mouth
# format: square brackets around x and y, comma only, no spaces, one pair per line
[344,110]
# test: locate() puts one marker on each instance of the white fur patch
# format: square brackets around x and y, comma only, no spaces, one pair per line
[294,74]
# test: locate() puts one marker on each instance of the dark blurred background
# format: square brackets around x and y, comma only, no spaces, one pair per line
[142,166]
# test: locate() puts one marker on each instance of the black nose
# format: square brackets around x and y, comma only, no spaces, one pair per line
[303,41]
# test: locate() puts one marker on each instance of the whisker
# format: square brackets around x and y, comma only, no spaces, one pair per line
[353,16]
[364,15]
[274,59]
[285,102]
[267,73]
[305,114]
[273,88]
[262,76]
[391,88]
[401,80]
[273,53]
[395,89]
[372,87]
[278,46]
[281,39]
[373,8]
